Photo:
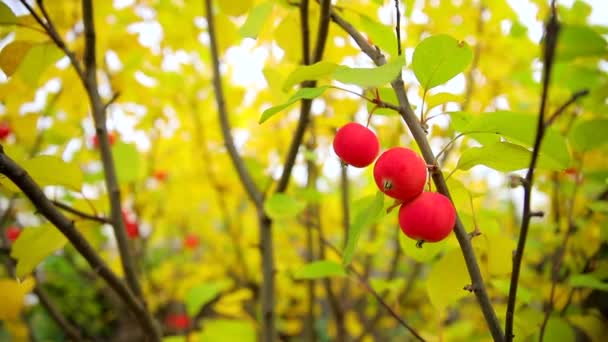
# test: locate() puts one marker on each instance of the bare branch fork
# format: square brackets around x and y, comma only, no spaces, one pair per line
[419,135]
[45,207]
[552,28]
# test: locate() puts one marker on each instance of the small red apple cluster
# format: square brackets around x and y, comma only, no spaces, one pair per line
[399,173]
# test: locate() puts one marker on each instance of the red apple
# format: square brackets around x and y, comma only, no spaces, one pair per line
[356,145]
[430,217]
[131,226]
[400,173]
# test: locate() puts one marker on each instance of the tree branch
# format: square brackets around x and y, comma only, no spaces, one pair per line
[111,180]
[419,135]
[246,180]
[306,103]
[265,223]
[45,207]
[373,292]
[80,213]
[551,32]
[71,331]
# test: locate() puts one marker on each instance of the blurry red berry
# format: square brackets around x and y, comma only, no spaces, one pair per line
[191,241]
[161,175]
[177,321]
[12,233]
[5,130]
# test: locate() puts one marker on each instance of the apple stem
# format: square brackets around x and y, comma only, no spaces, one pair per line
[419,243]
[395,205]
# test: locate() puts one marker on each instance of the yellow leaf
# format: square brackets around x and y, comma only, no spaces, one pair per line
[500,253]
[50,170]
[25,129]
[34,245]
[12,294]
[236,7]
[447,279]
[12,55]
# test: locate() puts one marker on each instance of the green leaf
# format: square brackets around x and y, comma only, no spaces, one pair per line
[589,134]
[446,280]
[381,35]
[588,281]
[50,170]
[579,41]
[127,160]
[503,156]
[312,72]
[371,77]
[228,330]
[371,210]
[303,93]
[34,245]
[439,58]
[320,269]
[256,19]
[7,17]
[12,56]
[37,59]
[521,128]
[281,206]
[427,252]
[202,294]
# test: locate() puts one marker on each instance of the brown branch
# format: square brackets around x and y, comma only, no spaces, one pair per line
[99,117]
[71,331]
[419,135]
[246,180]
[398,27]
[45,207]
[265,223]
[551,32]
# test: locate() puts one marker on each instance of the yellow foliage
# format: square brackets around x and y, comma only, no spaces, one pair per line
[12,295]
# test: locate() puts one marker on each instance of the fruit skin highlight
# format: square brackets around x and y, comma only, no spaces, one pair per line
[356,145]
[429,217]
[400,173]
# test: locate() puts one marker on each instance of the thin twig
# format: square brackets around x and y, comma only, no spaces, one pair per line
[419,135]
[111,179]
[79,213]
[563,107]
[373,292]
[398,27]
[551,33]
[71,331]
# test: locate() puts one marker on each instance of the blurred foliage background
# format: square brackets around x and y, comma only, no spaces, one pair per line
[194,231]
